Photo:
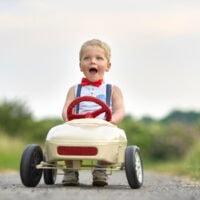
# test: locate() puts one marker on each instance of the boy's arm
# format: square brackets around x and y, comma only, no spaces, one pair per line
[118,106]
[70,97]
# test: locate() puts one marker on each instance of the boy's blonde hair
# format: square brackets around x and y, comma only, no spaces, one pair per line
[96,43]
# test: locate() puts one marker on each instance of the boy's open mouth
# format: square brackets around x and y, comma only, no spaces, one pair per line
[93,70]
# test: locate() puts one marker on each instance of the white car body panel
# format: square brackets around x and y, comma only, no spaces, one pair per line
[109,140]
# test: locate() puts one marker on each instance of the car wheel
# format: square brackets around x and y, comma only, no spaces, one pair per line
[133,167]
[29,174]
[49,175]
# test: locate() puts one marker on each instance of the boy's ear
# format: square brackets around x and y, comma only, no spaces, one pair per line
[80,67]
[108,67]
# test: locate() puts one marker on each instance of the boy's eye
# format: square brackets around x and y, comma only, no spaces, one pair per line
[99,58]
[86,58]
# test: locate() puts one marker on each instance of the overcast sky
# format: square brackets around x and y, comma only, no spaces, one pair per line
[155,51]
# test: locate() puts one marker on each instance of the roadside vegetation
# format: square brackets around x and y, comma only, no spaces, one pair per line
[169,145]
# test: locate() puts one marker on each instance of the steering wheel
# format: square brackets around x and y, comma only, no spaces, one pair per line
[93,114]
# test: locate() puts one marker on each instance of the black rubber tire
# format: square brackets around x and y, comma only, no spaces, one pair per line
[49,175]
[29,174]
[134,167]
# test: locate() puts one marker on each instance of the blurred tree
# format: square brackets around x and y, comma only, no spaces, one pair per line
[14,116]
[189,117]
[39,129]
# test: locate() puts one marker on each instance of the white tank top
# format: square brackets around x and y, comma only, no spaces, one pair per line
[98,92]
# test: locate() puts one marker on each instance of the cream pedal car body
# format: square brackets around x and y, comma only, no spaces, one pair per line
[85,140]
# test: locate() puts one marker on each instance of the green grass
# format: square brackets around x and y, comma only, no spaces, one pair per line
[181,168]
[10,152]
[188,166]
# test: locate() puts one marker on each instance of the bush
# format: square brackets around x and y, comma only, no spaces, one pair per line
[173,143]
[38,130]
[160,141]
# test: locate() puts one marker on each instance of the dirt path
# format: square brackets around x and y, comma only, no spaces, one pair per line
[156,187]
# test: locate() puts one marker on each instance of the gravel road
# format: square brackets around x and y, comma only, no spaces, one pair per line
[156,187]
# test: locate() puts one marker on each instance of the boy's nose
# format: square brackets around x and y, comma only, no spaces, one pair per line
[93,60]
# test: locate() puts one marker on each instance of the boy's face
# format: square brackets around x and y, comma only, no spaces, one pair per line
[94,63]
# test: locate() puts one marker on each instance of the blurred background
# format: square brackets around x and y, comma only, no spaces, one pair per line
[155,61]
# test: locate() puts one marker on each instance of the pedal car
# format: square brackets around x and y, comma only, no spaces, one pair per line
[85,140]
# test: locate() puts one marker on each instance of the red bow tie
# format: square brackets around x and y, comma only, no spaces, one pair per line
[85,81]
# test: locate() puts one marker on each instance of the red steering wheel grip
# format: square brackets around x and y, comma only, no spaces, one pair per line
[104,108]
